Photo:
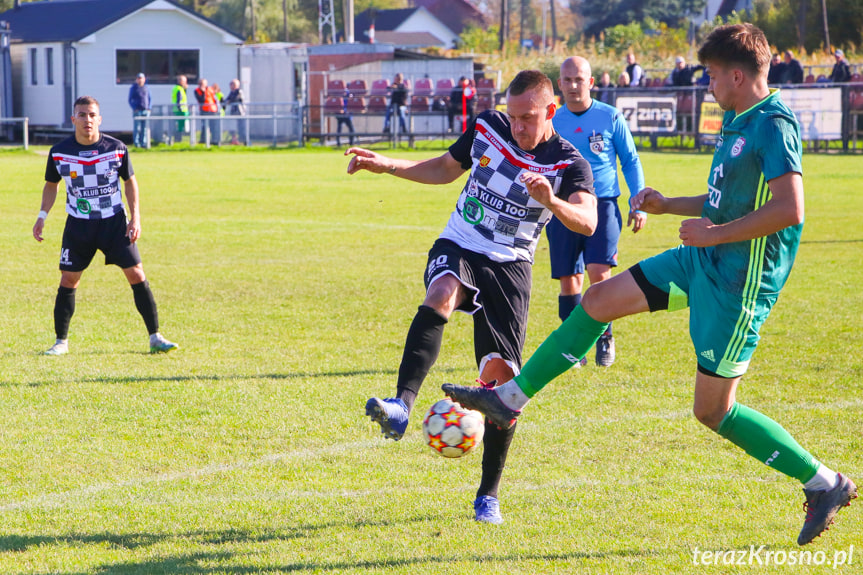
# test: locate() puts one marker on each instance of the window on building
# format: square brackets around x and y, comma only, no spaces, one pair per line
[160,66]
[49,66]
[34,68]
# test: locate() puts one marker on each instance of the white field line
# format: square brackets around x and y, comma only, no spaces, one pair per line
[55,500]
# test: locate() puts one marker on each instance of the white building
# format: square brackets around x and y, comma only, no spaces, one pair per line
[68,48]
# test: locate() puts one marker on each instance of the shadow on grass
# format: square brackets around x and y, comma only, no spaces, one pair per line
[223,377]
[214,561]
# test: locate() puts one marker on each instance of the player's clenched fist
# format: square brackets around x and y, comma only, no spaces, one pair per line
[538,187]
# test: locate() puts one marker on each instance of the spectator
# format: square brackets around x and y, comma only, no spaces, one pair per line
[841,69]
[683,74]
[634,70]
[623,80]
[207,104]
[604,89]
[793,69]
[180,103]
[398,103]
[140,102]
[344,118]
[220,110]
[234,105]
[777,70]
[460,104]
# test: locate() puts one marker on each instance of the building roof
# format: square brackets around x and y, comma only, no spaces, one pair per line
[387,20]
[454,14]
[73,20]
[408,39]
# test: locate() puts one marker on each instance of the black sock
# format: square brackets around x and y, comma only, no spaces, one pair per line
[567,303]
[422,346]
[608,330]
[495,448]
[64,307]
[146,305]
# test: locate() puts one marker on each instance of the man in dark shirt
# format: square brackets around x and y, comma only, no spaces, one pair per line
[91,164]
[140,102]
[793,69]
[841,69]
[777,70]
[398,103]
[521,172]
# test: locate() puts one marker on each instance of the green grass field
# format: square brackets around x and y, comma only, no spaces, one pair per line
[290,287]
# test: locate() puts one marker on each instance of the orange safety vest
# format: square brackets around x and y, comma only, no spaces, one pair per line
[209,104]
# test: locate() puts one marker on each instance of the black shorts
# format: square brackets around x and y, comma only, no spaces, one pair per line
[81,239]
[499,297]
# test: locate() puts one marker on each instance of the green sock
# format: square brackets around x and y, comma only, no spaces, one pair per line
[560,351]
[768,442]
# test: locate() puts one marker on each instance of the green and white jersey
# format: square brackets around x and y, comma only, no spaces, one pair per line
[754,147]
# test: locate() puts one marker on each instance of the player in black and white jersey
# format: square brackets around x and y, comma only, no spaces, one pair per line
[521,172]
[91,165]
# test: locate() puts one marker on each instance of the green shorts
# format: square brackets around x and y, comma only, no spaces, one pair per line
[723,324]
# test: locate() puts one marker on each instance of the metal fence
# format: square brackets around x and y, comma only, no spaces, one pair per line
[830,116]
[12,135]
[268,123]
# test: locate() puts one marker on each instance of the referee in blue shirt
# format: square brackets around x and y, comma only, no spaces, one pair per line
[600,133]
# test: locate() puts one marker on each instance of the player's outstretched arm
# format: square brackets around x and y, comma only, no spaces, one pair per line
[441,170]
[651,201]
[49,196]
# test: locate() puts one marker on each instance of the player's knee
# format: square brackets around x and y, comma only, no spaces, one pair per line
[709,415]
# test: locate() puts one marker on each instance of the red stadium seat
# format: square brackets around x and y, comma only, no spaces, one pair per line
[357,87]
[443,87]
[377,104]
[423,87]
[485,86]
[333,105]
[484,102]
[380,87]
[356,104]
[420,103]
[335,87]
[684,102]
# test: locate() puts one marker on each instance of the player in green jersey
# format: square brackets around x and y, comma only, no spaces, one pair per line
[739,244]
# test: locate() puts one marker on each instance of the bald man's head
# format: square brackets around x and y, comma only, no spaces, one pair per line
[575,83]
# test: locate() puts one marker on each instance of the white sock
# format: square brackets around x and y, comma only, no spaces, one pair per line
[155,338]
[512,396]
[61,341]
[825,479]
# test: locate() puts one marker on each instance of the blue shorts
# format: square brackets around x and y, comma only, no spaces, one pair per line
[571,251]
[723,324]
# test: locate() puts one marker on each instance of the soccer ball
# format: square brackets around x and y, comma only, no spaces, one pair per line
[452,430]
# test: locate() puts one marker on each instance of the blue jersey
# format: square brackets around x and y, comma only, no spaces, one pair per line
[601,135]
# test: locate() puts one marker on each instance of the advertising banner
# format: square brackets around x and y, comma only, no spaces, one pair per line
[648,114]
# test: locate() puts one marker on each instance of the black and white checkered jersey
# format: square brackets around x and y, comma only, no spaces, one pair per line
[92,174]
[495,215]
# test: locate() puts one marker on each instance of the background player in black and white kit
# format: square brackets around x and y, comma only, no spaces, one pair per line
[91,164]
[521,172]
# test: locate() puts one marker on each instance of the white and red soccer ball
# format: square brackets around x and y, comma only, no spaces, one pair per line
[451,430]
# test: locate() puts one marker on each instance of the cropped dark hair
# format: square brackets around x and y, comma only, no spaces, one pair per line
[529,80]
[741,44]
[86,101]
